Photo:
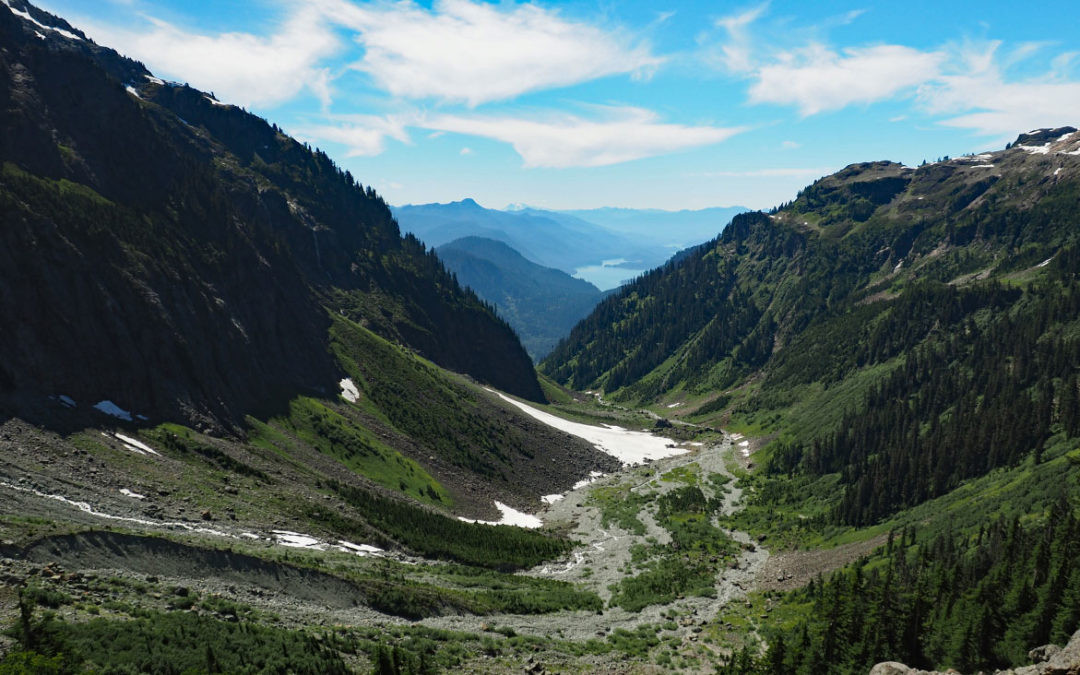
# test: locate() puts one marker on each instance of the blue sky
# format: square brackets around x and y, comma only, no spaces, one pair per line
[613,103]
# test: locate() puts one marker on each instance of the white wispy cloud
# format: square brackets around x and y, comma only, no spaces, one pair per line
[979,97]
[737,53]
[772,173]
[474,52]
[362,135]
[817,79]
[241,68]
[459,51]
[972,86]
[562,141]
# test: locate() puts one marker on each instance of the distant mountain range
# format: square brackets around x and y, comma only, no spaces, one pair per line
[562,243]
[581,243]
[674,229]
[540,303]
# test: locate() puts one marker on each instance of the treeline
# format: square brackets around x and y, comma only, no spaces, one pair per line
[434,535]
[166,643]
[972,603]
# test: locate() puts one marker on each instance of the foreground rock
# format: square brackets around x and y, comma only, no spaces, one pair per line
[1052,660]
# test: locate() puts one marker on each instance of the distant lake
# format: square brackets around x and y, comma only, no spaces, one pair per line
[608,274]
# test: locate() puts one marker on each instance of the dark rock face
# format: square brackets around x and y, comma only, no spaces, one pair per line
[178,257]
[1042,136]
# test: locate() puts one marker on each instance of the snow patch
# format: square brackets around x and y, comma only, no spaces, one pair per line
[1036,149]
[133,91]
[250,535]
[674,405]
[510,516]
[358,549]
[899,265]
[136,446]
[349,392]
[983,166]
[26,15]
[297,540]
[63,400]
[629,447]
[134,495]
[110,408]
[1057,170]
[551,499]
[86,508]
[593,477]
[155,80]
[1045,262]
[217,102]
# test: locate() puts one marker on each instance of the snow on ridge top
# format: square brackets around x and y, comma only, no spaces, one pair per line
[26,15]
[1036,149]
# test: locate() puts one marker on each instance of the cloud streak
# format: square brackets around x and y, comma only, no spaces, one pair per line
[817,79]
[981,99]
[622,135]
[475,53]
[362,135]
[970,86]
[458,51]
[241,68]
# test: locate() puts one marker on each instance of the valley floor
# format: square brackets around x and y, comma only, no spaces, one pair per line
[654,581]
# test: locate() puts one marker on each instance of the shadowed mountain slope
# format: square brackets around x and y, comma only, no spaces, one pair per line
[541,304]
[178,256]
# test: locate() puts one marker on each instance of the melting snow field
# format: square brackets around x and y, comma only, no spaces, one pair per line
[298,540]
[510,516]
[349,392]
[138,447]
[593,477]
[629,447]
